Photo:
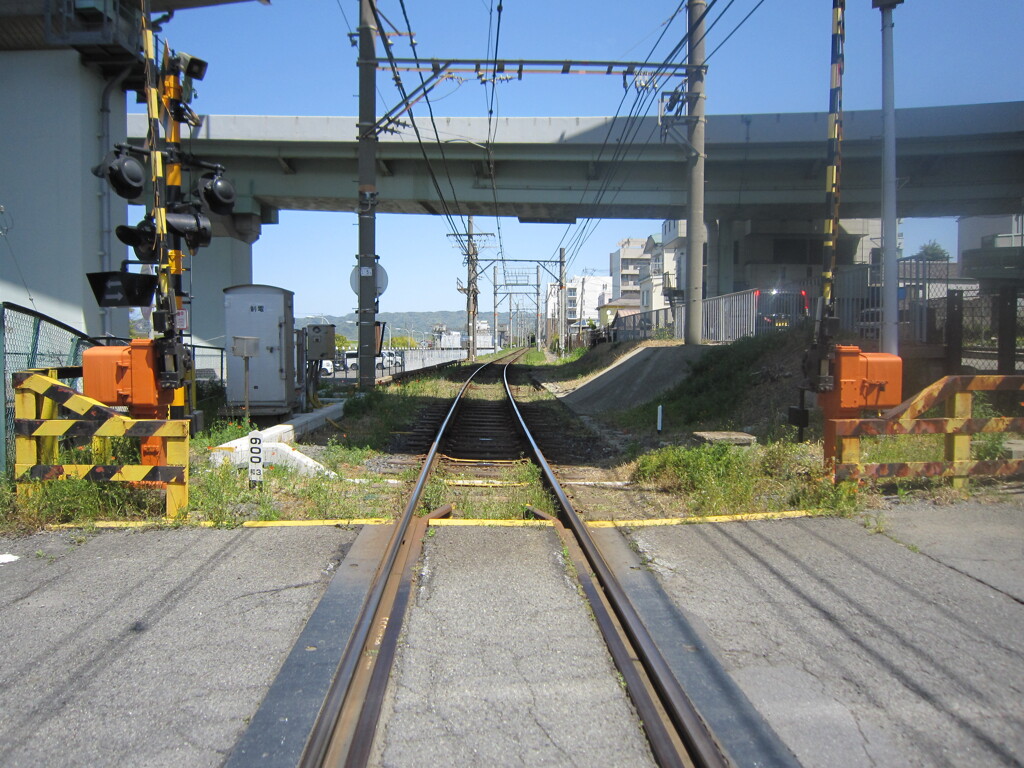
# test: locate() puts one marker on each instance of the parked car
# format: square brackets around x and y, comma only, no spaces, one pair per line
[326,368]
[351,361]
[780,308]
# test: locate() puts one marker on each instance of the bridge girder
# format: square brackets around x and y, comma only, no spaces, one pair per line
[952,161]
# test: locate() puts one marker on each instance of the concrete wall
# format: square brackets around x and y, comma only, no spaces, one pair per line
[970,230]
[49,141]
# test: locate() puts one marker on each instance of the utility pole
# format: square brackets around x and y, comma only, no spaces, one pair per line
[890,340]
[367,257]
[695,235]
[494,314]
[471,290]
[537,339]
[563,326]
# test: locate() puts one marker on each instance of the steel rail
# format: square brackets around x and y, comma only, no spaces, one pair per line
[319,740]
[320,737]
[704,749]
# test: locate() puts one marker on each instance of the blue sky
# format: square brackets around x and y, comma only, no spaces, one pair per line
[294,58]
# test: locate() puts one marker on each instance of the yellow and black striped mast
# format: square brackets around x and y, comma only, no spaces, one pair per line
[162,85]
[824,326]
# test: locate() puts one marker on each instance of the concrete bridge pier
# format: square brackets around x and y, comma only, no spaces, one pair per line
[58,216]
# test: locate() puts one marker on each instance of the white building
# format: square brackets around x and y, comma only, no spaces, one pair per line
[624,267]
[583,295]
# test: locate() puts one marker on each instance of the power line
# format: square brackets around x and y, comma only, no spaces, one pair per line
[589,226]
[6,223]
[419,139]
[744,21]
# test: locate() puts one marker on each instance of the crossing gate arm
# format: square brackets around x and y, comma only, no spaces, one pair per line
[957,425]
[37,400]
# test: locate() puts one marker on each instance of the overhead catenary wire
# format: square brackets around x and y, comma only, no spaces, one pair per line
[6,223]
[631,128]
[412,120]
[628,136]
[492,136]
[582,232]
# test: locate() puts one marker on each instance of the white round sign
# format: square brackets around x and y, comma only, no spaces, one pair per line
[381,279]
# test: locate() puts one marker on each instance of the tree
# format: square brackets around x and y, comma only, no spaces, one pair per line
[932,251]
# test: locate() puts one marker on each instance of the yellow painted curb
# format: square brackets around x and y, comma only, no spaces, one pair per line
[458,521]
[483,484]
[295,523]
[747,517]
[464,521]
[210,524]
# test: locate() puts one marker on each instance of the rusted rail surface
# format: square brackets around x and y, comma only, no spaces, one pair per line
[702,749]
[345,732]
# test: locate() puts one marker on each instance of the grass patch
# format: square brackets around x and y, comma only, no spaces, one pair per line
[722,479]
[518,486]
[74,501]
[533,357]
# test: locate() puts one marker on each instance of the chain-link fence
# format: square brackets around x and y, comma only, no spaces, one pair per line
[29,339]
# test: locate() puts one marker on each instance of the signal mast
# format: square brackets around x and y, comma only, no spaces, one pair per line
[151,376]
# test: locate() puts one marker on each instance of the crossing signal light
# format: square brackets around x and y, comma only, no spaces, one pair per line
[124,172]
[218,193]
[192,225]
[142,239]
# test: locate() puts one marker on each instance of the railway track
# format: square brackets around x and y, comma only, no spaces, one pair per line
[480,437]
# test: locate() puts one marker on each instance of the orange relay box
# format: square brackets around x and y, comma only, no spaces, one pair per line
[864,380]
[124,376]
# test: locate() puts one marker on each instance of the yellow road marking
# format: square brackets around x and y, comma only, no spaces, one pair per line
[746,517]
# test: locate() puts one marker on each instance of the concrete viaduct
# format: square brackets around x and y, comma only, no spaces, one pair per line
[952,161]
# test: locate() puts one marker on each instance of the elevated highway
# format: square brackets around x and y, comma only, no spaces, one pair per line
[952,161]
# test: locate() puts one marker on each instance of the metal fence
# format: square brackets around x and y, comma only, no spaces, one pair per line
[992,328]
[30,339]
[209,363]
[728,317]
[646,325]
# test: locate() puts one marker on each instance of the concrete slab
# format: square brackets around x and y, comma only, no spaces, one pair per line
[856,649]
[149,648]
[278,732]
[635,378]
[981,539]
[501,663]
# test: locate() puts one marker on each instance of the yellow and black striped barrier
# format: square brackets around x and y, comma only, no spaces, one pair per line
[957,425]
[38,400]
